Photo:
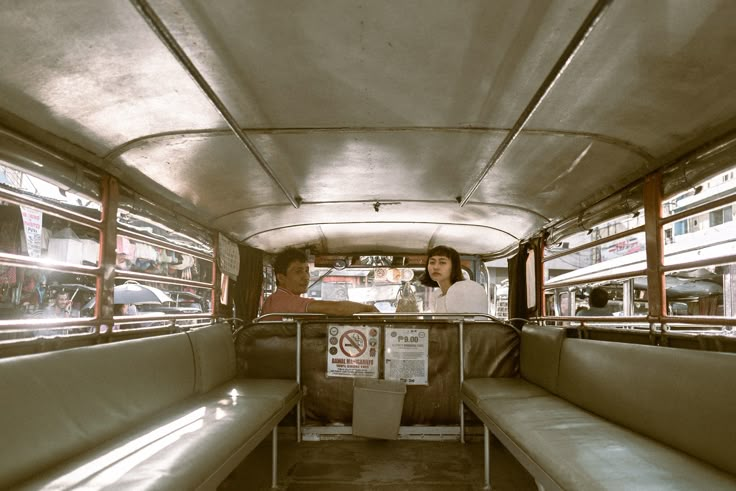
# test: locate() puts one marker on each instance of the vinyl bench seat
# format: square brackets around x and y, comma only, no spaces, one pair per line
[596,415]
[157,413]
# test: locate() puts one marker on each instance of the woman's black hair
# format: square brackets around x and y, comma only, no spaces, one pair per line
[456,273]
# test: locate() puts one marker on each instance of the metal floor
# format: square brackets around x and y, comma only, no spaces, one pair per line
[382,465]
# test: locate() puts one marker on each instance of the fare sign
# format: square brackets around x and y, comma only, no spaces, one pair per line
[352,351]
[407,355]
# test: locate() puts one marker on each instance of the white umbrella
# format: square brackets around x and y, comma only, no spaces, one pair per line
[135,293]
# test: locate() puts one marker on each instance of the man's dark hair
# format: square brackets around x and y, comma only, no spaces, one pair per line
[456,273]
[284,258]
[598,297]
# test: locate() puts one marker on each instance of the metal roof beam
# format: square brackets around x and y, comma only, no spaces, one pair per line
[575,43]
[157,25]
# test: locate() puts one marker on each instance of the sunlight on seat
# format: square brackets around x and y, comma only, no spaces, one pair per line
[109,468]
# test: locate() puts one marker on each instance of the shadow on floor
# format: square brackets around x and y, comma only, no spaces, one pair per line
[379,465]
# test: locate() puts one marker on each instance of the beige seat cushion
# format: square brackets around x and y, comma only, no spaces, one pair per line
[478,389]
[194,444]
[683,398]
[56,405]
[581,451]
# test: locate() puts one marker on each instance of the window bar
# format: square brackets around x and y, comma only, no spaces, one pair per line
[48,208]
[598,278]
[166,245]
[711,205]
[596,242]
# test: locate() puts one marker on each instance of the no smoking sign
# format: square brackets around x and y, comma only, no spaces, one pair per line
[352,351]
[353,343]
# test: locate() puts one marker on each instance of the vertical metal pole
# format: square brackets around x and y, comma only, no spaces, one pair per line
[462,378]
[486,458]
[572,300]
[299,380]
[539,276]
[216,291]
[628,298]
[274,456]
[729,291]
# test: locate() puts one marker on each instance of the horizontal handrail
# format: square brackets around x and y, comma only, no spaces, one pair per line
[290,316]
[667,320]
[597,318]
[380,317]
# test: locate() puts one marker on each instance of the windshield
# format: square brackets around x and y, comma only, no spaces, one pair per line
[391,283]
[379,286]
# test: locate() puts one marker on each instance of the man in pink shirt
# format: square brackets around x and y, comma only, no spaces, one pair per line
[292,280]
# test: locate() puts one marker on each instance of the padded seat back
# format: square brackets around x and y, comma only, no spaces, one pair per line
[540,354]
[683,398]
[214,356]
[55,405]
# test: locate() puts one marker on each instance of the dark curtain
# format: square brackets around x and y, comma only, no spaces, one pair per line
[247,290]
[517,286]
[537,245]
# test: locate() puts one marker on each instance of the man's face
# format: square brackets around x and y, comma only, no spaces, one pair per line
[62,300]
[296,279]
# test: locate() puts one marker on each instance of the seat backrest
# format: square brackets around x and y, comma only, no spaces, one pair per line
[540,354]
[683,398]
[56,405]
[214,356]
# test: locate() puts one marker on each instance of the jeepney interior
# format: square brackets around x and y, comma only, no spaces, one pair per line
[557,145]
[478,127]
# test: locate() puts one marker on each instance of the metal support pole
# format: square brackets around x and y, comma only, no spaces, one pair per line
[462,378]
[274,456]
[628,298]
[299,380]
[729,291]
[572,300]
[486,458]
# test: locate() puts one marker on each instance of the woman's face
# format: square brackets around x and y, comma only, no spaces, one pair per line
[440,268]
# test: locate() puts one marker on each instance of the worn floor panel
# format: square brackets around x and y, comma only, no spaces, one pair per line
[379,465]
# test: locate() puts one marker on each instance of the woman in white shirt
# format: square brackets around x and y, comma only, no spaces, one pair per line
[443,270]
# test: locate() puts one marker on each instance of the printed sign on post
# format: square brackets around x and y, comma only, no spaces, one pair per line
[407,355]
[229,256]
[352,351]
[32,220]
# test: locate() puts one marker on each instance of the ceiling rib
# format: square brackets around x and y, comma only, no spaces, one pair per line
[609,140]
[244,240]
[157,25]
[575,43]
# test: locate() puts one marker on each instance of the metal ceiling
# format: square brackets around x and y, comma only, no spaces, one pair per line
[387,125]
